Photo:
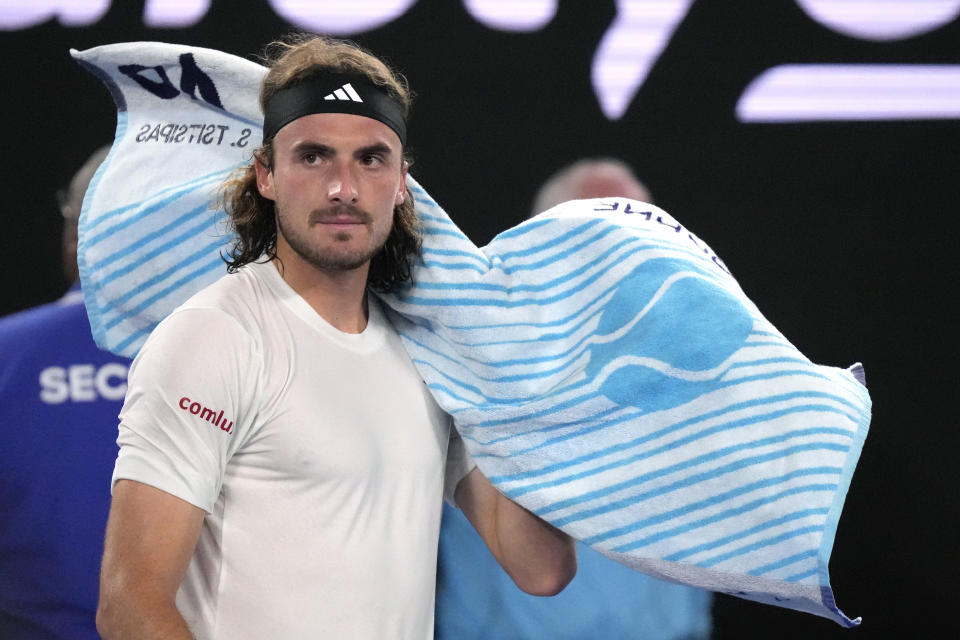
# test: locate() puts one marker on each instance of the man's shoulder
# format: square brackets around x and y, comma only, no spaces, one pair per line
[46,319]
[234,302]
[52,341]
[235,294]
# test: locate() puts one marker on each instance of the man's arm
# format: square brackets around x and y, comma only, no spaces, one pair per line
[150,539]
[539,558]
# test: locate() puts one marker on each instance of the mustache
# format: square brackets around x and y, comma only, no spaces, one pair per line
[319,216]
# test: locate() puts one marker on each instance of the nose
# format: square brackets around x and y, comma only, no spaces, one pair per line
[342,188]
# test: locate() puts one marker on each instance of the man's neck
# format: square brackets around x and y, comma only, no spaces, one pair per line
[339,297]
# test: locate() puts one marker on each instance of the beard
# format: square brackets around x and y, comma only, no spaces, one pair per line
[333,258]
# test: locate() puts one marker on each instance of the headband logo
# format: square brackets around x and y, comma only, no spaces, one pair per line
[313,95]
[346,92]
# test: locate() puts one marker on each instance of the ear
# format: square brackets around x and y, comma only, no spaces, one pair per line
[264,179]
[402,191]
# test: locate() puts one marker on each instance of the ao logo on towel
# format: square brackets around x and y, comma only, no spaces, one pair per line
[655,362]
[193,81]
[632,44]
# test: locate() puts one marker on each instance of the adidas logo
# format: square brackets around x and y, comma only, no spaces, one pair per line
[346,92]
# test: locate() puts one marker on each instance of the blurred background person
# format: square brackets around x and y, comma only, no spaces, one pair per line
[590,178]
[476,599]
[59,400]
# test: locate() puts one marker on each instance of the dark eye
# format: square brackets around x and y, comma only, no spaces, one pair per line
[310,157]
[372,160]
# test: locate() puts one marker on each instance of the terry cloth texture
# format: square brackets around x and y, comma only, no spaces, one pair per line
[602,365]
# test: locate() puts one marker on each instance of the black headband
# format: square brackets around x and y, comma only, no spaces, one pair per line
[332,93]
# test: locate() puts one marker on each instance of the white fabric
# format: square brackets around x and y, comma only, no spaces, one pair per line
[320,463]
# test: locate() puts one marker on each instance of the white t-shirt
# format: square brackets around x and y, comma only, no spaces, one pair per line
[318,456]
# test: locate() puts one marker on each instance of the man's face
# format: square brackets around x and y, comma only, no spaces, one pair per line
[335,180]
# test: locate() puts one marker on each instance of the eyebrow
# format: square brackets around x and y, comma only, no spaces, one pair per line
[378,147]
[327,151]
[314,147]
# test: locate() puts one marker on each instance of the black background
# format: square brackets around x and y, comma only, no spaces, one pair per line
[844,234]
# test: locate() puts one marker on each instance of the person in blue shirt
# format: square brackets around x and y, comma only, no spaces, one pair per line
[477,600]
[59,400]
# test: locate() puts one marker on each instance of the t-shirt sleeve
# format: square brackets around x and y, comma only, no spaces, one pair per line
[459,464]
[189,405]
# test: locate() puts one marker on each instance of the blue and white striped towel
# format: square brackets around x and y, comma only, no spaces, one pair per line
[604,368]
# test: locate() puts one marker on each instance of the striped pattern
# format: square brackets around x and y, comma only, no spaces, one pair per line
[608,373]
[150,235]
[603,367]
[142,261]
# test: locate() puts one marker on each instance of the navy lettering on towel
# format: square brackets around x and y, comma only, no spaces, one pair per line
[192,80]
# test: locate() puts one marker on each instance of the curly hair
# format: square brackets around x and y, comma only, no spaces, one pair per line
[253,218]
